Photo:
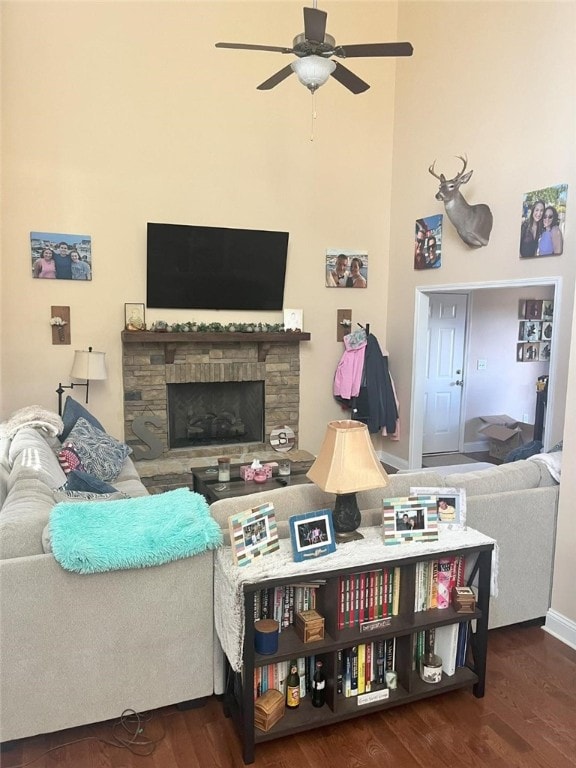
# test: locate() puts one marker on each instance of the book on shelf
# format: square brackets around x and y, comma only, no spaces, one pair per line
[463,635]
[446,645]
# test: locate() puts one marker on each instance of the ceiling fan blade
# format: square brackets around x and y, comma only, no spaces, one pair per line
[282,74]
[374,49]
[348,79]
[249,47]
[315,24]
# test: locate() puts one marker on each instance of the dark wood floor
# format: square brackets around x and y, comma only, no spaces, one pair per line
[527,719]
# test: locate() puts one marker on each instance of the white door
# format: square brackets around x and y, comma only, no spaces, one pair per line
[444,372]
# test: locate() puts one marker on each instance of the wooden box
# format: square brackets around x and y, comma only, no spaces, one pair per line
[309,626]
[268,709]
[463,600]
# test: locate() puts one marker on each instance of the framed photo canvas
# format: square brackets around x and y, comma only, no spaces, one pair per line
[253,533]
[410,518]
[312,535]
[450,505]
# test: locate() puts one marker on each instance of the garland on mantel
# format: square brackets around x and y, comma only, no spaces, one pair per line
[160,326]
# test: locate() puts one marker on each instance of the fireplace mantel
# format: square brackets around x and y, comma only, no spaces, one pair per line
[170,340]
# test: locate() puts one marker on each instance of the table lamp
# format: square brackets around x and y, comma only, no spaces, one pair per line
[347,463]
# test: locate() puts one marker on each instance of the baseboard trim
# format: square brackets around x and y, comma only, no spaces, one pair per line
[394,461]
[561,627]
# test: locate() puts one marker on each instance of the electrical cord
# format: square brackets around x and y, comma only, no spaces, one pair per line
[127,733]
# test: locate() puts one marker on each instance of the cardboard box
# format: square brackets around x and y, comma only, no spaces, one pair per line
[309,626]
[504,434]
[268,709]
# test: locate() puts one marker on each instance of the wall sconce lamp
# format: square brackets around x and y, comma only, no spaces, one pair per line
[87,365]
[347,463]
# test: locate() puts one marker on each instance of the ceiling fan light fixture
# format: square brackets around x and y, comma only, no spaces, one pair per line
[313,71]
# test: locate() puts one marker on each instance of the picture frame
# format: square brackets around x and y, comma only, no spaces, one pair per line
[134,317]
[293,320]
[253,533]
[61,256]
[400,511]
[450,506]
[533,309]
[338,268]
[312,535]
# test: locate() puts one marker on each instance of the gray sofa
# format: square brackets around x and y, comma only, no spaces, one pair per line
[516,504]
[78,649]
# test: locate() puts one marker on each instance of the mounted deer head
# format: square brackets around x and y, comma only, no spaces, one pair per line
[473,222]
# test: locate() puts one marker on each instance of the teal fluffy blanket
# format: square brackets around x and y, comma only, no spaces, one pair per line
[91,537]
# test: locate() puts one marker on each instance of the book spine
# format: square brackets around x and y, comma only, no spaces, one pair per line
[339,671]
[362,598]
[361,668]
[396,592]
[368,666]
[354,670]
[301,664]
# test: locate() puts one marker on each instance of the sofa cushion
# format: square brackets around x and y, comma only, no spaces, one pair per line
[23,517]
[74,411]
[516,476]
[30,453]
[100,454]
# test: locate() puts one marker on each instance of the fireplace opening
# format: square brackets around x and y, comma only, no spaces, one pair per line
[215,413]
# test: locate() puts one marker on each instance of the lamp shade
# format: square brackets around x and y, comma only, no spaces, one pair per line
[347,461]
[88,365]
[313,71]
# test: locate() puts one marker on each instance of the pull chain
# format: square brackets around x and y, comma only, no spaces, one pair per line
[313,116]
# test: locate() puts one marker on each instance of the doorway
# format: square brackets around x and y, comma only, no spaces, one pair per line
[423,297]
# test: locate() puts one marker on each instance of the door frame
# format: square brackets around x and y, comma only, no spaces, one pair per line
[421,306]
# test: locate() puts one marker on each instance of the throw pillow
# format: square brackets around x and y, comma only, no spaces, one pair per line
[72,412]
[69,459]
[81,481]
[100,454]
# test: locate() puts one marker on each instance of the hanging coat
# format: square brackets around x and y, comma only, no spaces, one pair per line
[376,405]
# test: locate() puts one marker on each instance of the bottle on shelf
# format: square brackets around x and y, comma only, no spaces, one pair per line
[318,686]
[293,686]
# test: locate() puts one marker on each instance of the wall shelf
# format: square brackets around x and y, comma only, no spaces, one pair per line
[170,340]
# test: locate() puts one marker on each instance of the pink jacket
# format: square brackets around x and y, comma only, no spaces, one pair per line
[348,376]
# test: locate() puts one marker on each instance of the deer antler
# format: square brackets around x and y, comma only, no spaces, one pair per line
[431,170]
[464,164]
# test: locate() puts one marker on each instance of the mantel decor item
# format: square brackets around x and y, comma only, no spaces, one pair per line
[347,463]
[87,365]
[134,317]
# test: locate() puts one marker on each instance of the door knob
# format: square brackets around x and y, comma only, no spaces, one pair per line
[459,382]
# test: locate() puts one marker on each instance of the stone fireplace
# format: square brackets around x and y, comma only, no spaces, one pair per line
[202,394]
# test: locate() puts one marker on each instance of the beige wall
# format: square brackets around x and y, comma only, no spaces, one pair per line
[483,84]
[137,117]
[115,114]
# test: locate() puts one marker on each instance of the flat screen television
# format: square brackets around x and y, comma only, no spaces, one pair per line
[191,267]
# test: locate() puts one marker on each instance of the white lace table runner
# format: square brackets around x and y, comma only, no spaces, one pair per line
[229,579]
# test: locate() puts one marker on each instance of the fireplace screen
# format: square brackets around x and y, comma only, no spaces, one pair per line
[215,413]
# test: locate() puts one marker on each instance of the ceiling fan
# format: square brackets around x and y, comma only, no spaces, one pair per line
[314,49]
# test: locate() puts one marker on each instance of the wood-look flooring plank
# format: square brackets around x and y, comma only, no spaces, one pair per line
[527,719]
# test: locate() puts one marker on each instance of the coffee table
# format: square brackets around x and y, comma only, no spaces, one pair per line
[206,482]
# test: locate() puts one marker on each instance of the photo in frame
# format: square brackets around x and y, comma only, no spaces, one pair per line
[312,535]
[253,533]
[293,320]
[543,221]
[134,317]
[450,505]
[346,268]
[59,256]
[410,518]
